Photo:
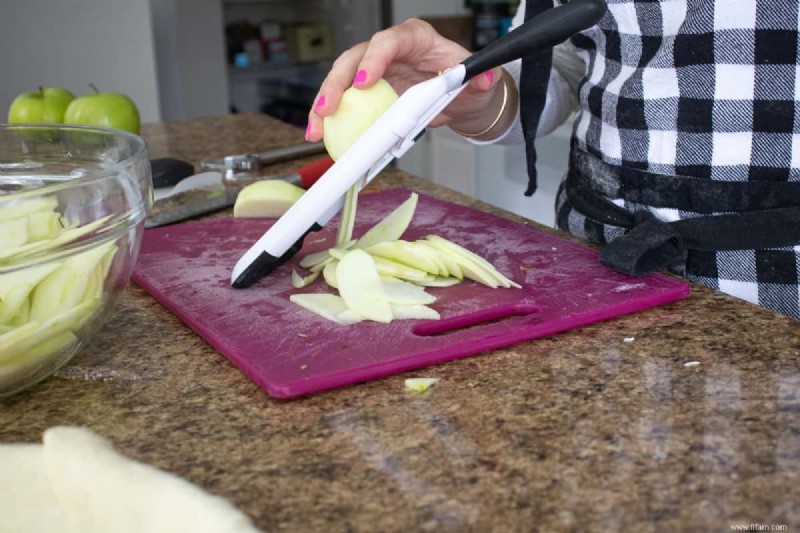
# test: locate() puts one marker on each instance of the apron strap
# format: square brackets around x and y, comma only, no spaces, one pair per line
[651,244]
[534,79]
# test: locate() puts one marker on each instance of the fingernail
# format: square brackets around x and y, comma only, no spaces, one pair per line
[361,77]
[308,131]
[320,102]
[489,76]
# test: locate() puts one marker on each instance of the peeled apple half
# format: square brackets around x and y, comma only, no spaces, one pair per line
[266,199]
[358,110]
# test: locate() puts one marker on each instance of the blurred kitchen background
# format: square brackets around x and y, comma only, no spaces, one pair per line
[180,59]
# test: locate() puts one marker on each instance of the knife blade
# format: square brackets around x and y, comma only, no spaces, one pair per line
[195,202]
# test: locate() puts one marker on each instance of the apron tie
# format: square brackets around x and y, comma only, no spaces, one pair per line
[748,221]
[649,245]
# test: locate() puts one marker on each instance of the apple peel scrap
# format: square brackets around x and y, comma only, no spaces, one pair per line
[381,277]
[42,308]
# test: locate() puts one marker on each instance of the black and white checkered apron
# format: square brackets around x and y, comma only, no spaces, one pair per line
[686,150]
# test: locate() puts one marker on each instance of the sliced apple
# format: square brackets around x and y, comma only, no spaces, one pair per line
[383,277]
[328,306]
[337,253]
[15,287]
[392,227]
[345,232]
[21,208]
[437,281]
[329,273]
[68,235]
[21,341]
[420,384]
[474,266]
[13,303]
[298,281]
[321,265]
[14,232]
[450,265]
[398,270]
[405,293]
[414,311]
[13,370]
[405,253]
[314,259]
[361,288]
[66,287]
[266,199]
[43,225]
[23,314]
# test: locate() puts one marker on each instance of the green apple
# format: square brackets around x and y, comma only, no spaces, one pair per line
[108,110]
[47,105]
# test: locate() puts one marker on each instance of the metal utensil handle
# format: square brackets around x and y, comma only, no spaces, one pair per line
[283,153]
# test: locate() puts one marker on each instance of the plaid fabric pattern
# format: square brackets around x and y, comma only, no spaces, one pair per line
[700,88]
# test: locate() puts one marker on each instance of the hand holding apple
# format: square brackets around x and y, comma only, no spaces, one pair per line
[110,110]
[47,105]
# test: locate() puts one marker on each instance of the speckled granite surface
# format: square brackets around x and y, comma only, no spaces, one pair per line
[681,418]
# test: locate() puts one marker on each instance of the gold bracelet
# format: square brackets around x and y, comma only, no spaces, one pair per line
[496,119]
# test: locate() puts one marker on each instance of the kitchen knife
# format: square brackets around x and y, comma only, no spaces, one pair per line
[194,202]
[396,131]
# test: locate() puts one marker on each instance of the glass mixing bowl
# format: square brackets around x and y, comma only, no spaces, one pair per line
[72,206]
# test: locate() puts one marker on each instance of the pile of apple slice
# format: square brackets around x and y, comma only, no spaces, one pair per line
[381,277]
[43,306]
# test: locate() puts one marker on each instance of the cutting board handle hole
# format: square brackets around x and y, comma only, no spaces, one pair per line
[483,318]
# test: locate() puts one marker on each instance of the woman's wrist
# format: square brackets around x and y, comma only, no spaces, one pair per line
[496,117]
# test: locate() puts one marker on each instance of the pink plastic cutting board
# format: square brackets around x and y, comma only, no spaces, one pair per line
[290,351]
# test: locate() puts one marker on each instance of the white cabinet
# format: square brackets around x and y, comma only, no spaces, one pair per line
[496,174]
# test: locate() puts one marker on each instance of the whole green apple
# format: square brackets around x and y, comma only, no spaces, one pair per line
[109,110]
[47,105]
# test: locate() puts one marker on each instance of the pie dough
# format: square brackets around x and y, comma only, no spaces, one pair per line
[76,482]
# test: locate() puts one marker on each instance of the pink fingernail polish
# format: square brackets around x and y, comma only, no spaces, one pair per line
[490,76]
[361,77]
[308,131]
[320,102]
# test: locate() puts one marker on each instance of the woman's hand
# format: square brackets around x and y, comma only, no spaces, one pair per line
[405,55]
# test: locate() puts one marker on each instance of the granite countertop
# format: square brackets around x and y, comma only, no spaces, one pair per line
[684,417]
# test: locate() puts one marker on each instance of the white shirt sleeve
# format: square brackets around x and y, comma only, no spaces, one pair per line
[562,90]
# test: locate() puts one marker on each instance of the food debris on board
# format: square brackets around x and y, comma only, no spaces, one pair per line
[420,384]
